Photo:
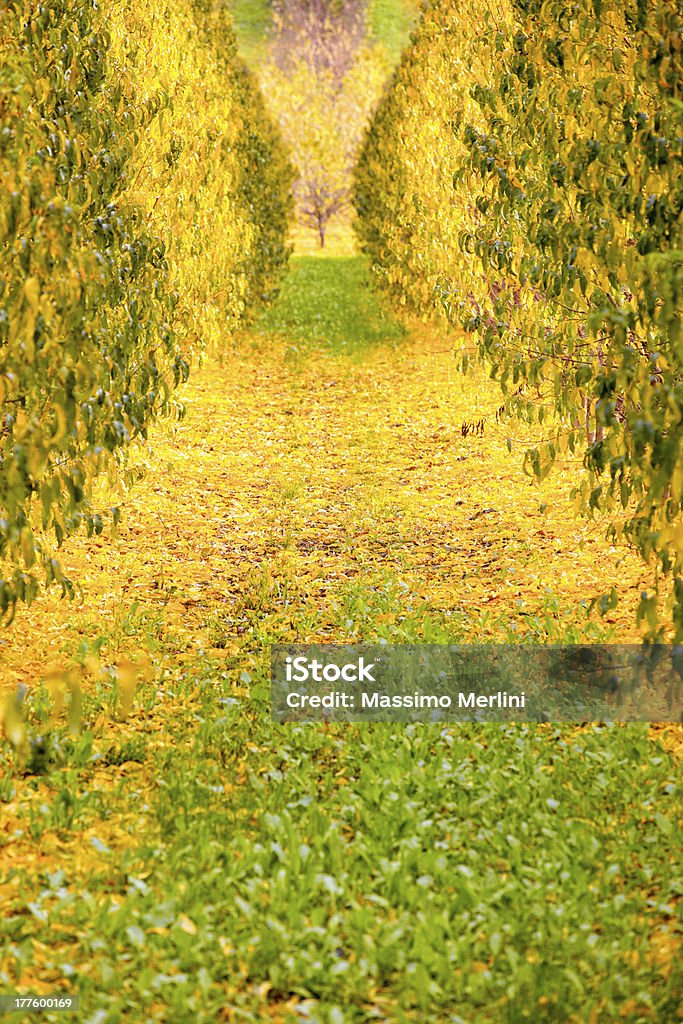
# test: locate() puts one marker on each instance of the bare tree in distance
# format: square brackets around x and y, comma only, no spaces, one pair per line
[324,33]
[319,202]
[322,81]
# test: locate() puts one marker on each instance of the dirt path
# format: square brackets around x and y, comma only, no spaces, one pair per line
[313,494]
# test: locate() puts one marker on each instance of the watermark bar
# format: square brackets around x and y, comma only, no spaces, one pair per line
[477,683]
[57,1002]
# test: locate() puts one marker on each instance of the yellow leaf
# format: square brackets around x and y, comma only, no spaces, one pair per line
[32,293]
[187,925]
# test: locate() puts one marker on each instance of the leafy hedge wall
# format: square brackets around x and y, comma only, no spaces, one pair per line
[144,207]
[523,179]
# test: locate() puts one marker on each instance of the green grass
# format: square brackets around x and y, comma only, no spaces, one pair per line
[391,22]
[470,874]
[330,301]
[473,875]
[251,19]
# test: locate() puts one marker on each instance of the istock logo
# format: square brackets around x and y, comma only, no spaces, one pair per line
[300,670]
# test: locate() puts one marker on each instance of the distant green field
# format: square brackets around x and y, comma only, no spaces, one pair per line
[390,22]
[251,19]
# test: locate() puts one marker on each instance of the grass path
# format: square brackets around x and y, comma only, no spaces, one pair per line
[184,859]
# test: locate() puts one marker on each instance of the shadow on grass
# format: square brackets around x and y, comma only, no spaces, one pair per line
[330,302]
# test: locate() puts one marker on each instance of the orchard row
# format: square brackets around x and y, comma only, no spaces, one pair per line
[523,179]
[144,209]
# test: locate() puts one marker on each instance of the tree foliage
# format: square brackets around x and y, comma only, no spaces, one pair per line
[523,176]
[143,208]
